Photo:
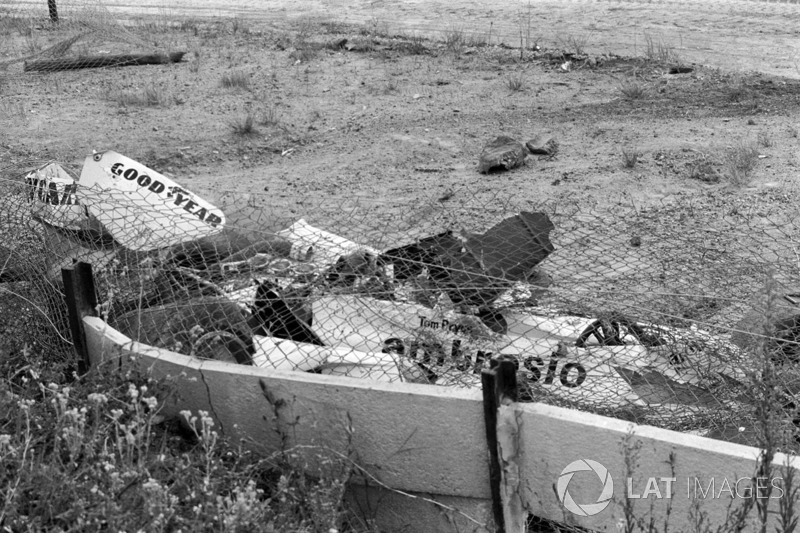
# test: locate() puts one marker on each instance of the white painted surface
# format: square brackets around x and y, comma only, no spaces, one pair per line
[424,438]
[431,440]
[554,437]
[141,208]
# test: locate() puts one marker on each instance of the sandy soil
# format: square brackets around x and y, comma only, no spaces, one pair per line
[380,142]
[732,34]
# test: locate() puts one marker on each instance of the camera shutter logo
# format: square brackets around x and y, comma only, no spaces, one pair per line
[586,509]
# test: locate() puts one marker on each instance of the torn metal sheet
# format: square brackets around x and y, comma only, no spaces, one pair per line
[626,374]
[142,209]
[477,268]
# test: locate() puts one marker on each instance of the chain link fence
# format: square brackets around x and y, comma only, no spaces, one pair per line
[682,315]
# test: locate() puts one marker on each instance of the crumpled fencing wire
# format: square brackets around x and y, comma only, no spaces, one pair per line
[672,315]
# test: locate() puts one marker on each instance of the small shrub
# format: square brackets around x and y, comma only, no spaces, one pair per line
[454,41]
[416,45]
[244,126]
[735,89]
[107,458]
[270,117]
[631,89]
[764,140]
[575,43]
[658,51]
[236,80]
[793,132]
[740,160]
[516,83]
[630,156]
[148,96]
[704,170]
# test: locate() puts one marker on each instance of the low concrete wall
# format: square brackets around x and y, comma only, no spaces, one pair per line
[430,442]
[420,439]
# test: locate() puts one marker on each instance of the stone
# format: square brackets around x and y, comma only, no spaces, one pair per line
[542,145]
[502,153]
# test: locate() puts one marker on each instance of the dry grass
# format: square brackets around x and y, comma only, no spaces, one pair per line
[658,51]
[237,79]
[455,41]
[632,89]
[575,44]
[740,161]
[150,95]
[516,83]
[630,156]
[244,126]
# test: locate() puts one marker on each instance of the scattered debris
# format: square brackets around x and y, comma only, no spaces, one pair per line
[433,311]
[501,153]
[337,44]
[476,268]
[122,60]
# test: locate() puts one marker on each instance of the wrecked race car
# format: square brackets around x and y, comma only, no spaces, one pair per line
[433,311]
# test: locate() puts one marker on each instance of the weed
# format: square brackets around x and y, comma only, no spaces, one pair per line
[244,126]
[631,89]
[239,26]
[270,118]
[194,66]
[704,170]
[111,462]
[576,44]
[149,96]
[793,132]
[416,45]
[740,160]
[630,157]
[658,51]
[454,41]
[516,83]
[764,140]
[236,79]
[735,88]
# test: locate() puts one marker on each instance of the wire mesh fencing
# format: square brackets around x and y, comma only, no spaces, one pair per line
[682,315]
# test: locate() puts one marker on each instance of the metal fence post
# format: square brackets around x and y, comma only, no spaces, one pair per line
[499,383]
[81,299]
[53,9]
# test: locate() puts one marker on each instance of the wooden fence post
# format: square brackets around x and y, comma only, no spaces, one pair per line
[53,9]
[81,301]
[499,384]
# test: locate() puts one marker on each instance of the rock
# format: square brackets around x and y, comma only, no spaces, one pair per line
[542,145]
[501,153]
[680,70]
[337,44]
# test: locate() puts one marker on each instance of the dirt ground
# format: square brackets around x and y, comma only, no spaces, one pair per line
[400,118]
[279,119]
